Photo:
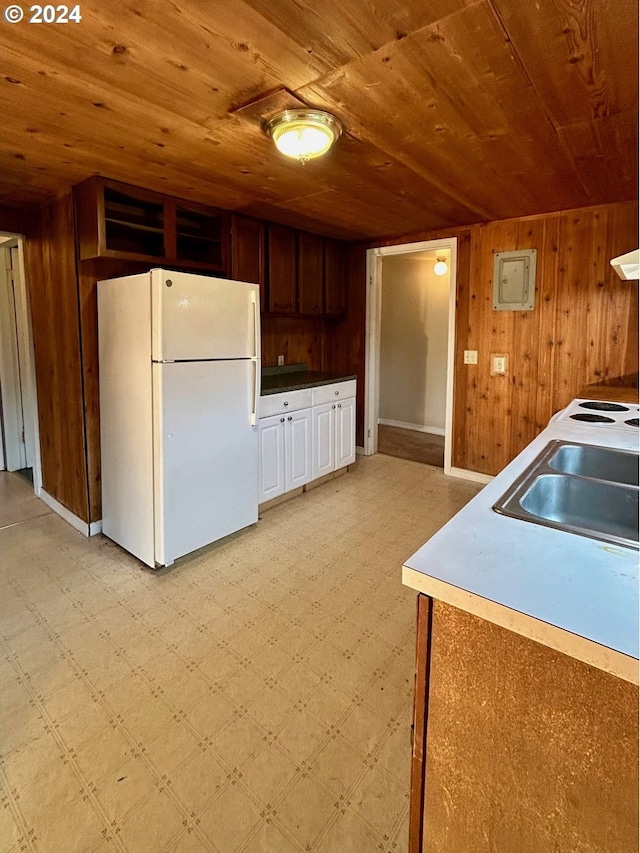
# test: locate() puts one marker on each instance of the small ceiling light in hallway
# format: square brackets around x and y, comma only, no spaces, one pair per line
[441,267]
[303,134]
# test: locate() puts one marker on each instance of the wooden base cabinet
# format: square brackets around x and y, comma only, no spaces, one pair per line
[517,747]
[285,453]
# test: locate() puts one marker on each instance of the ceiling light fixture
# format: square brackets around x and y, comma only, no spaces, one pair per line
[303,134]
[440,267]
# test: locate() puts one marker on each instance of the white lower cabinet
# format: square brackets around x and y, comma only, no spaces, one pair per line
[334,436]
[271,456]
[299,446]
[285,453]
[297,450]
[323,440]
[345,432]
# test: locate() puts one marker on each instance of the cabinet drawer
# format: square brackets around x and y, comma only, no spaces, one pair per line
[335,391]
[278,404]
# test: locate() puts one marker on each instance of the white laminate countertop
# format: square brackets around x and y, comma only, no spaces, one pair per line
[571,593]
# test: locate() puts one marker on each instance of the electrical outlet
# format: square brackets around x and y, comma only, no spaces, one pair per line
[498,364]
[471,356]
[280,360]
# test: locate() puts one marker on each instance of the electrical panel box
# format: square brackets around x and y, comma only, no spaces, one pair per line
[514,280]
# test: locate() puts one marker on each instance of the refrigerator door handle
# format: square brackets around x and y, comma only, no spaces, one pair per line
[256,325]
[256,391]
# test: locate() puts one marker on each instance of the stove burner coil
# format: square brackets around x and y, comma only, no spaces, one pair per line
[601,406]
[591,418]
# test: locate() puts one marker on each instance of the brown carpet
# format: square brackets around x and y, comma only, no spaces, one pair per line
[410,444]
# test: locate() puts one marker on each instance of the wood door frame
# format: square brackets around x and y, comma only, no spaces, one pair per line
[15,449]
[27,358]
[372,337]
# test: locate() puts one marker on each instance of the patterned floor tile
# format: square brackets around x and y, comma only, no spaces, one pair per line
[255,697]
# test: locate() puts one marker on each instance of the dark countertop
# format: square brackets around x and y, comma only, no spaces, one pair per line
[294,377]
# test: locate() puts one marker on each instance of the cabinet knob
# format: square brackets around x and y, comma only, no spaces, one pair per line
[339,405]
[285,403]
[333,407]
[290,418]
[281,420]
[337,393]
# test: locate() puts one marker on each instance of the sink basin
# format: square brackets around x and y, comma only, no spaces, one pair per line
[584,506]
[600,463]
[579,488]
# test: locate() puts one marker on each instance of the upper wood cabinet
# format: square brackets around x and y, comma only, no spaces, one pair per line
[310,273]
[335,276]
[306,273]
[114,220]
[248,261]
[282,270]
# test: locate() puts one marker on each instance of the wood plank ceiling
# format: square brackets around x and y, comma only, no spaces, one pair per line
[456,111]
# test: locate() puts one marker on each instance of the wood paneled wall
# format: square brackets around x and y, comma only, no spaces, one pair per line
[582,330]
[299,339]
[52,282]
[346,343]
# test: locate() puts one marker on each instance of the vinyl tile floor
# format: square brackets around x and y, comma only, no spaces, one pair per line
[255,697]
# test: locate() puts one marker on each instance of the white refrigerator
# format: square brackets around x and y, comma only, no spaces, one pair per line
[179,387]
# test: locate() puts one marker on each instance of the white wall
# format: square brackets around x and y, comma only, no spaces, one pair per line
[413,341]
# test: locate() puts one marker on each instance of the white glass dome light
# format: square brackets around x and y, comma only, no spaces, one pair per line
[303,134]
[441,267]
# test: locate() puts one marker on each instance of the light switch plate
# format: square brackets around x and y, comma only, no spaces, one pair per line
[471,356]
[498,364]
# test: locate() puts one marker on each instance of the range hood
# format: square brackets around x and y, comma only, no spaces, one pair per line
[627,266]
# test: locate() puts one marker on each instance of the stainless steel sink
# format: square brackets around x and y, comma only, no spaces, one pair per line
[580,488]
[600,463]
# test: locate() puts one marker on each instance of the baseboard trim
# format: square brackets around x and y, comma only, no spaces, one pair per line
[473,476]
[70,517]
[95,527]
[432,430]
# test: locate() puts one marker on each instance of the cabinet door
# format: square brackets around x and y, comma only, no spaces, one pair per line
[345,432]
[335,274]
[297,449]
[282,270]
[323,441]
[271,457]
[310,273]
[247,253]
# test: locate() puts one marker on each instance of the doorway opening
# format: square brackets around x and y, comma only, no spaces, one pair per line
[19,439]
[410,331]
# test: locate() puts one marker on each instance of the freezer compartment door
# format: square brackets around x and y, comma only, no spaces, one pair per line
[206,454]
[201,317]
